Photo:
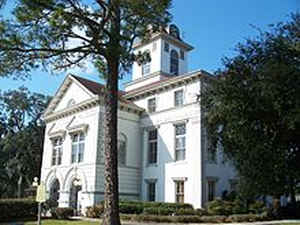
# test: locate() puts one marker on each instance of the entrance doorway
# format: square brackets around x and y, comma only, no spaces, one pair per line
[75,197]
[54,192]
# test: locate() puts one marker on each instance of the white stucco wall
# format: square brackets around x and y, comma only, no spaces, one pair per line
[67,171]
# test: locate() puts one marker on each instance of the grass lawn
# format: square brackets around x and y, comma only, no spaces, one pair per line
[63,222]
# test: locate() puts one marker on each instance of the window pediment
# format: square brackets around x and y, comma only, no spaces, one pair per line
[57,134]
[78,128]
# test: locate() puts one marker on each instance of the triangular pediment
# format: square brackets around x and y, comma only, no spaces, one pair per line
[69,94]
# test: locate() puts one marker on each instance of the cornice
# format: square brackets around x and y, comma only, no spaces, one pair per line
[88,104]
[163,86]
[167,37]
[151,75]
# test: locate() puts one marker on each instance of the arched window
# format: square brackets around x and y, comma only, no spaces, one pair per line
[174,62]
[122,149]
[146,65]
[54,191]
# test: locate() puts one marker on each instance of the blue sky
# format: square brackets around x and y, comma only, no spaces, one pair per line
[213,27]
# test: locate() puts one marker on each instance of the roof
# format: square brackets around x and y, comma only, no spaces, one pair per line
[97,88]
[92,86]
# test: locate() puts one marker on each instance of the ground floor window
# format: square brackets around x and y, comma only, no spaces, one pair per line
[179,191]
[151,186]
[211,189]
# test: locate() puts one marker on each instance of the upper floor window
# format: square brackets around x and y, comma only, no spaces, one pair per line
[166,46]
[179,191]
[178,98]
[122,149]
[174,64]
[57,151]
[145,68]
[180,133]
[151,105]
[152,145]
[78,147]
[146,65]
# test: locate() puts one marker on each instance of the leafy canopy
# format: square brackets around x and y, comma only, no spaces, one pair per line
[21,138]
[253,109]
[59,34]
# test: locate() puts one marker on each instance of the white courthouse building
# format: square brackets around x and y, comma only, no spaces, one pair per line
[162,148]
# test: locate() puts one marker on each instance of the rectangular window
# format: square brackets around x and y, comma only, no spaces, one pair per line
[77,148]
[166,47]
[151,105]
[151,191]
[57,151]
[178,98]
[179,191]
[180,133]
[211,190]
[182,54]
[152,145]
[145,68]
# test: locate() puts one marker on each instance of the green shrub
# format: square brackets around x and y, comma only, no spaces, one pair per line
[95,211]
[186,212]
[158,211]
[63,213]
[17,208]
[219,207]
[146,204]
[201,212]
[239,207]
[247,218]
[257,207]
[213,219]
[161,219]
[129,208]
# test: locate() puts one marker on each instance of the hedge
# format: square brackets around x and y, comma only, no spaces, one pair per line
[17,209]
[194,219]
[150,208]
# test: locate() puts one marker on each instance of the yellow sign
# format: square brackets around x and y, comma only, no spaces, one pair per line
[41,193]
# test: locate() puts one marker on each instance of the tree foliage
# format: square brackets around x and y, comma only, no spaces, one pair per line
[21,139]
[253,109]
[59,34]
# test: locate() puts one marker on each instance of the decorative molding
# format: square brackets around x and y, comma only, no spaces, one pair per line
[165,85]
[59,133]
[150,180]
[88,104]
[179,178]
[78,128]
[167,37]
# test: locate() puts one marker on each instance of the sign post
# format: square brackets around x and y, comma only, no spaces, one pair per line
[40,198]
